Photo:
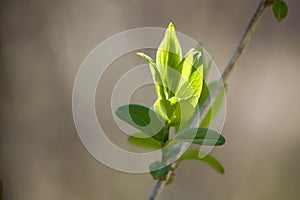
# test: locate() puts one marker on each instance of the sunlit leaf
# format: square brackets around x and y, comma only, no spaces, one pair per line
[166,108]
[168,57]
[169,51]
[173,110]
[190,85]
[206,65]
[191,62]
[155,75]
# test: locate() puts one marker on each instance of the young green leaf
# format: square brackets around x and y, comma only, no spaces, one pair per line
[204,94]
[169,51]
[167,108]
[191,62]
[215,108]
[144,119]
[168,56]
[280,9]
[190,85]
[155,75]
[208,159]
[206,65]
[173,110]
[201,136]
[159,170]
[170,181]
[143,140]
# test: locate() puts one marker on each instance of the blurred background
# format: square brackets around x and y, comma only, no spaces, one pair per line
[44,42]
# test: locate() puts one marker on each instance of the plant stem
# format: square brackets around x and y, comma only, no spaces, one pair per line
[247,35]
[245,39]
[159,185]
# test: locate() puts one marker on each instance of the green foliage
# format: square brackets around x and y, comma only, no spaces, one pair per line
[215,108]
[171,110]
[170,180]
[180,89]
[144,141]
[208,159]
[144,119]
[201,136]
[168,56]
[191,69]
[168,109]
[158,170]
[178,80]
[156,76]
[280,9]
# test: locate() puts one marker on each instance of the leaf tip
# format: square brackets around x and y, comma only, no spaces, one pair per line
[222,140]
[222,171]
[140,54]
[171,26]
[118,111]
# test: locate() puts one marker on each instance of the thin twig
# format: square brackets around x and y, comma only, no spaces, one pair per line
[159,185]
[245,39]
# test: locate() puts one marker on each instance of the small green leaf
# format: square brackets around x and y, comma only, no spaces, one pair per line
[155,75]
[171,110]
[280,9]
[144,141]
[142,118]
[166,108]
[169,51]
[168,57]
[191,81]
[170,181]
[204,94]
[206,66]
[208,159]
[215,108]
[191,62]
[201,136]
[159,170]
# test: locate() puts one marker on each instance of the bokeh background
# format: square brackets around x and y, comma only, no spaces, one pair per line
[43,43]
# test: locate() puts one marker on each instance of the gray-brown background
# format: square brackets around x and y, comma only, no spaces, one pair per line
[42,46]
